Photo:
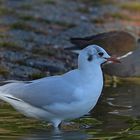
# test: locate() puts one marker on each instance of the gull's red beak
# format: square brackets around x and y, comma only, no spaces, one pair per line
[113,59]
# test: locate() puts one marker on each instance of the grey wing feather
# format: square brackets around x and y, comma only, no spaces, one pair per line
[43,92]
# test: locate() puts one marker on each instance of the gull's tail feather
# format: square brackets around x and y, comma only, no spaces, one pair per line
[11,100]
[19,105]
[7,94]
[6,90]
[10,86]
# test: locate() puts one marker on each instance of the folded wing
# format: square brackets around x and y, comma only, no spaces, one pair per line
[40,93]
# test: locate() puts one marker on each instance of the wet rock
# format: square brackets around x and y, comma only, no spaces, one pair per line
[28,35]
[20,71]
[12,56]
[73,32]
[46,64]
[129,66]
[7,20]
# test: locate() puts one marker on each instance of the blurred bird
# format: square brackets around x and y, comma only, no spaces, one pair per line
[115,42]
[57,98]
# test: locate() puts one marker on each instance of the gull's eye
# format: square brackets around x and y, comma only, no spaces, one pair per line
[100,54]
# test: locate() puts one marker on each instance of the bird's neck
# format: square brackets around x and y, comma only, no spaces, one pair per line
[93,71]
[92,80]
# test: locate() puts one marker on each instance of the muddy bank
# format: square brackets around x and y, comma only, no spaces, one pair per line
[33,35]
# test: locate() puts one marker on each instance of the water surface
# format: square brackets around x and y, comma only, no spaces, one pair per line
[116,116]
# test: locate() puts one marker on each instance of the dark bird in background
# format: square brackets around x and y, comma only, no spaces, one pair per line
[123,44]
[116,42]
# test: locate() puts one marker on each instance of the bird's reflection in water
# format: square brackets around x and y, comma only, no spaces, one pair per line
[57,135]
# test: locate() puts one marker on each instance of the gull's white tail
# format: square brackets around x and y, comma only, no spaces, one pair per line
[7,89]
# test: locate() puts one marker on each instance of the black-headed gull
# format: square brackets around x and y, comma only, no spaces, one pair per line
[61,97]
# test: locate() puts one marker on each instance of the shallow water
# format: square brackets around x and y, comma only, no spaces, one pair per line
[116,116]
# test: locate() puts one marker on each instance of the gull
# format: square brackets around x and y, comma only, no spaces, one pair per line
[61,97]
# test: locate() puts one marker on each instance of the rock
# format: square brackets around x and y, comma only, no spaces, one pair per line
[12,55]
[129,66]
[46,64]
[20,71]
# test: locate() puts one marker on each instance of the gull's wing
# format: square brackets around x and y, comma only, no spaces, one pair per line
[40,93]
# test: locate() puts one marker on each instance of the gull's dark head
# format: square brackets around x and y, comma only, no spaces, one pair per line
[94,54]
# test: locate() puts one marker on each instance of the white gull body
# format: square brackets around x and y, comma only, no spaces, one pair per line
[61,97]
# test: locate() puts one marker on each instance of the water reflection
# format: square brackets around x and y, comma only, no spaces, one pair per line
[125,100]
[57,135]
